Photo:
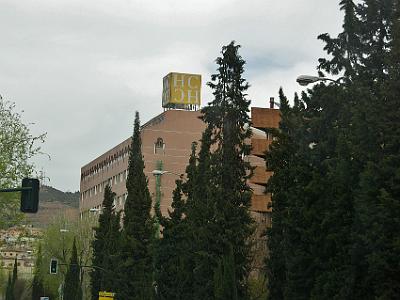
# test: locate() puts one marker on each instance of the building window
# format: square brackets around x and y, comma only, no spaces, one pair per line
[159,146]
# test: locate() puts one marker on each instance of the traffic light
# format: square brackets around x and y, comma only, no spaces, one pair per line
[53,266]
[30,195]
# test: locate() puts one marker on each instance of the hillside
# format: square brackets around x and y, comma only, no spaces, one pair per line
[50,194]
[52,204]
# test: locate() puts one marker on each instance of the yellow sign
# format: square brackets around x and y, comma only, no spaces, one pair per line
[106,296]
[181,88]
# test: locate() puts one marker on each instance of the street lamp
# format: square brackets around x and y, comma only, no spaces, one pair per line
[161,172]
[307,79]
[157,174]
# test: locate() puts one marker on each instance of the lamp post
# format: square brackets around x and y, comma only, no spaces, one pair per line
[158,174]
[305,80]
[162,172]
[63,231]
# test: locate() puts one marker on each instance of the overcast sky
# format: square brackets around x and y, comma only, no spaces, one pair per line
[80,68]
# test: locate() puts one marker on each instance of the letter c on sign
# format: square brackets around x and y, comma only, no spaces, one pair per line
[190,82]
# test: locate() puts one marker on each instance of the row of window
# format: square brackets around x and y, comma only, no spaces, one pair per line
[99,188]
[119,201]
[159,148]
[105,164]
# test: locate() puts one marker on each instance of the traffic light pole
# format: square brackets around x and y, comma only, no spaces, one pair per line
[21,189]
[85,266]
[29,194]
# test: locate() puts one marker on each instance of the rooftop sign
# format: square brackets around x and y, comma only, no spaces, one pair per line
[181,89]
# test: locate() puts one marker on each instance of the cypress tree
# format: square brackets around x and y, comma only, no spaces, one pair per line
[37,282]
[218,211]
[171,276]
[283,159]
[336,210]
[15,272]
[200,211]
[9,289]
[136,272]
[104,244]
[227,116]
[224,278]
[112,256]
[72,284]
[377,222]
[12,279]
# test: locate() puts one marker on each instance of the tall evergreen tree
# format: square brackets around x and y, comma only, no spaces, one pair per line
[377,203]
[72,283]
[104,244]
[9,289]
[171,276]
[224,278]
[291,172]
[136,272]
[12,279]
[37,282]
[338,219]
[200,212]
[112,256]
[218,212]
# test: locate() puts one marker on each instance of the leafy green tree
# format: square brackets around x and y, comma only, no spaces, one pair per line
[136,273]
[105,245]
[72,283]
[17,147]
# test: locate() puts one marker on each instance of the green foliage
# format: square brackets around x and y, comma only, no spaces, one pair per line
[172,276]
[9,289]
[57,243]
[105,247]
[335,226]
[218,196]
[136,272]
[72,283]
[37,282]
[224,278]
[17,147]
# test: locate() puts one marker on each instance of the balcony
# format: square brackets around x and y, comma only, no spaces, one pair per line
[259,146]
[265,117]
[260,175]
[261,203]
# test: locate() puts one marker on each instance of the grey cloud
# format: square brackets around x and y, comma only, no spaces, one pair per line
[79,69]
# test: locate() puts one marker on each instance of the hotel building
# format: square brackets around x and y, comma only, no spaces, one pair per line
[166,145]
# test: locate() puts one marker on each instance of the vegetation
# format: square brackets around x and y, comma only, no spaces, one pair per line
[136,268]
[170,275]
[205,250]
[335,218]
[38,289]
[57,242]
[105,247]
[72,282]
[17,147]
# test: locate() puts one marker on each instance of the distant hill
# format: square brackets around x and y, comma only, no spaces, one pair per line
[50,194]
[52,204]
